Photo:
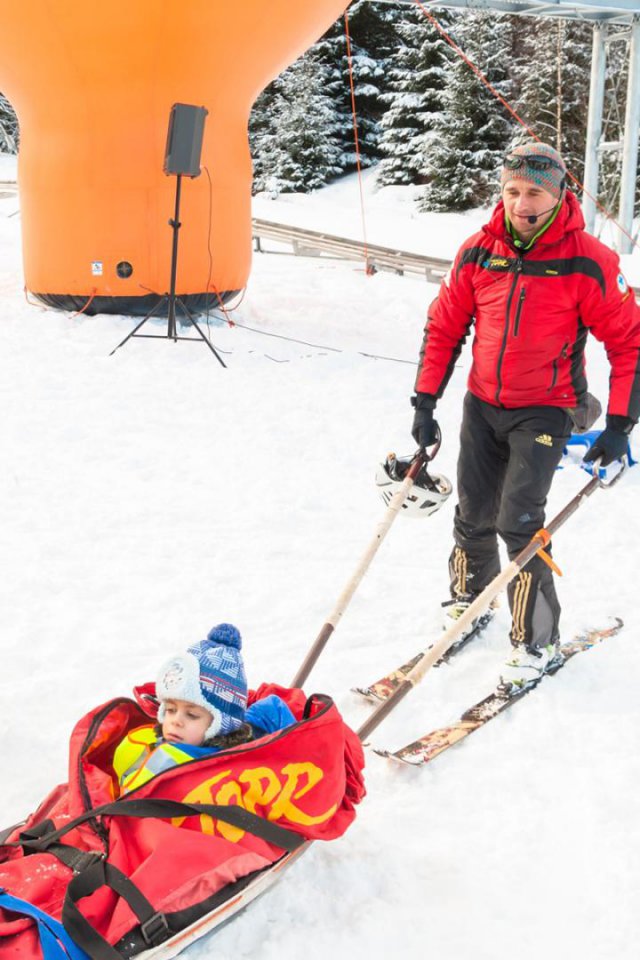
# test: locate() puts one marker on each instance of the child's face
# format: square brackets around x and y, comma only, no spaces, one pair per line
[185,722]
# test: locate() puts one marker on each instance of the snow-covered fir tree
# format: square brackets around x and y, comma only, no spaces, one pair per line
[8,127]
[415,100]
[297,145]
[261,132]
[373,46]
[553,97]
[473,129]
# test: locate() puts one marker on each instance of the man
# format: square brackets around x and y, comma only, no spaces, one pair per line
[533,283]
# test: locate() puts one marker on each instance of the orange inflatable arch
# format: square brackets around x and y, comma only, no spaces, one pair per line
[93,85]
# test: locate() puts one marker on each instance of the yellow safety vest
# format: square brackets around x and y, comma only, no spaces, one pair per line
[143,755]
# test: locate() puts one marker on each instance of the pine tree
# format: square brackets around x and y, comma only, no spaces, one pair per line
[373,44]
[261,132]
[9,132]
[298,145]
[553,98]
[473,130]
[417,81]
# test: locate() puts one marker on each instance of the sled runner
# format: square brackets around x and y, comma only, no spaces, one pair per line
[145,874]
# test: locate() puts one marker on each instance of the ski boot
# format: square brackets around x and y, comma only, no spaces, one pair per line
[527,665]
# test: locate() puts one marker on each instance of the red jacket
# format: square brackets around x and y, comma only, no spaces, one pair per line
[532,311]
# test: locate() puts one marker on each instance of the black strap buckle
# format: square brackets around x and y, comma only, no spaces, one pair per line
[155,930]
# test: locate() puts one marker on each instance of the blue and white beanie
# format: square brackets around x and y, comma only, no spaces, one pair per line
[211,674]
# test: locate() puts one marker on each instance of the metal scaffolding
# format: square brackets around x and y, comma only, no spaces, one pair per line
[607,17]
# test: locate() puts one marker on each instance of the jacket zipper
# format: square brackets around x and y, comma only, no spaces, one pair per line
[562,356]
[517,271]
[516,325]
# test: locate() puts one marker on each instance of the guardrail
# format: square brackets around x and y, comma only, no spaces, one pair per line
[313,243]
[7,189]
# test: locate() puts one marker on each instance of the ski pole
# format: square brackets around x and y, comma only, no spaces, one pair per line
[483,601]
[344,599]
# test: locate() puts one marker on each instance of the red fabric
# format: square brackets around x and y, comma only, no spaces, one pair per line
[307,778]
[528,346]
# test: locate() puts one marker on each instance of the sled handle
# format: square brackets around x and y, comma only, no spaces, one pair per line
[606,484]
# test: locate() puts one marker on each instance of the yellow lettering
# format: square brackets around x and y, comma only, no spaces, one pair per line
[284,806]
[202,794]
[257,794]
[257,789]
[228,794]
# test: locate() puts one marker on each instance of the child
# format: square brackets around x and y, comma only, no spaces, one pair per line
[203,709]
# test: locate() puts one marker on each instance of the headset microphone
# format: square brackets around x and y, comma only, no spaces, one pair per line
[532,218]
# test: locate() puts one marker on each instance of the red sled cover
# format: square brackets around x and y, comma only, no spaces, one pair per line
[307,778]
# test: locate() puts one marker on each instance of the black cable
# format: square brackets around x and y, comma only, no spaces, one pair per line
[319,346]
[206,170]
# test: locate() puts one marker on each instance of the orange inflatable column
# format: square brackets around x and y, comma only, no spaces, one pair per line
[93,86]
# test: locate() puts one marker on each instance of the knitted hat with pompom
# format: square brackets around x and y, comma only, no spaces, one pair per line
[210,674]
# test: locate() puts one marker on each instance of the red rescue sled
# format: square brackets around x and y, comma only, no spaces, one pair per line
[146,874]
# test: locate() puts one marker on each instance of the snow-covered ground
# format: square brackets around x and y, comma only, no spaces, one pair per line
[146,496]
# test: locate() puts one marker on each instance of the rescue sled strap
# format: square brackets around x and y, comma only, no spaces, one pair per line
[55,942]
[94,871]
[162,809]
[38,838]
[153,924]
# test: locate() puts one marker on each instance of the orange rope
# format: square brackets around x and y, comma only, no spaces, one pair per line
[32,303]
[369,270]
[231,322]
[87,304]
[492,90]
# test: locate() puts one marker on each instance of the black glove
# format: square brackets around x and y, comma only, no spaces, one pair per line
[425,429]
[613,442]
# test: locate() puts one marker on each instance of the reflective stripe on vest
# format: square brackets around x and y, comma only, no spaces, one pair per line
[142,756]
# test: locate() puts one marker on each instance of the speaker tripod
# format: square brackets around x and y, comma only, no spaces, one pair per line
[171,298]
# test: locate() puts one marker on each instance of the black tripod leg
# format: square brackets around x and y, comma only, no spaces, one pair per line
[142,322]
[206,339]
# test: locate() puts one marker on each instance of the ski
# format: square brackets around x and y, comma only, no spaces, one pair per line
[437,741]
[385,686]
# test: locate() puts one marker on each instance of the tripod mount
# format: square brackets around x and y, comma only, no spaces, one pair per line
[171,298]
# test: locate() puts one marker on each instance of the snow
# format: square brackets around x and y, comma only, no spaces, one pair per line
[8,168]
[148,495]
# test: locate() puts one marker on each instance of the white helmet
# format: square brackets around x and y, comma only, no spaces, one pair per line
[428,493]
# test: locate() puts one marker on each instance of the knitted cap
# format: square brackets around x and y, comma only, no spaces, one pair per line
[553,178]
[210,674]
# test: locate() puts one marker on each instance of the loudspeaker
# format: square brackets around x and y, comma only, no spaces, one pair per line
[184,140]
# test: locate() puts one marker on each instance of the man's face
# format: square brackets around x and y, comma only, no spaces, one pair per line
[523,200]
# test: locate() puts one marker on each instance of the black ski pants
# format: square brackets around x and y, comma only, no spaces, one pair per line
[505,469]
